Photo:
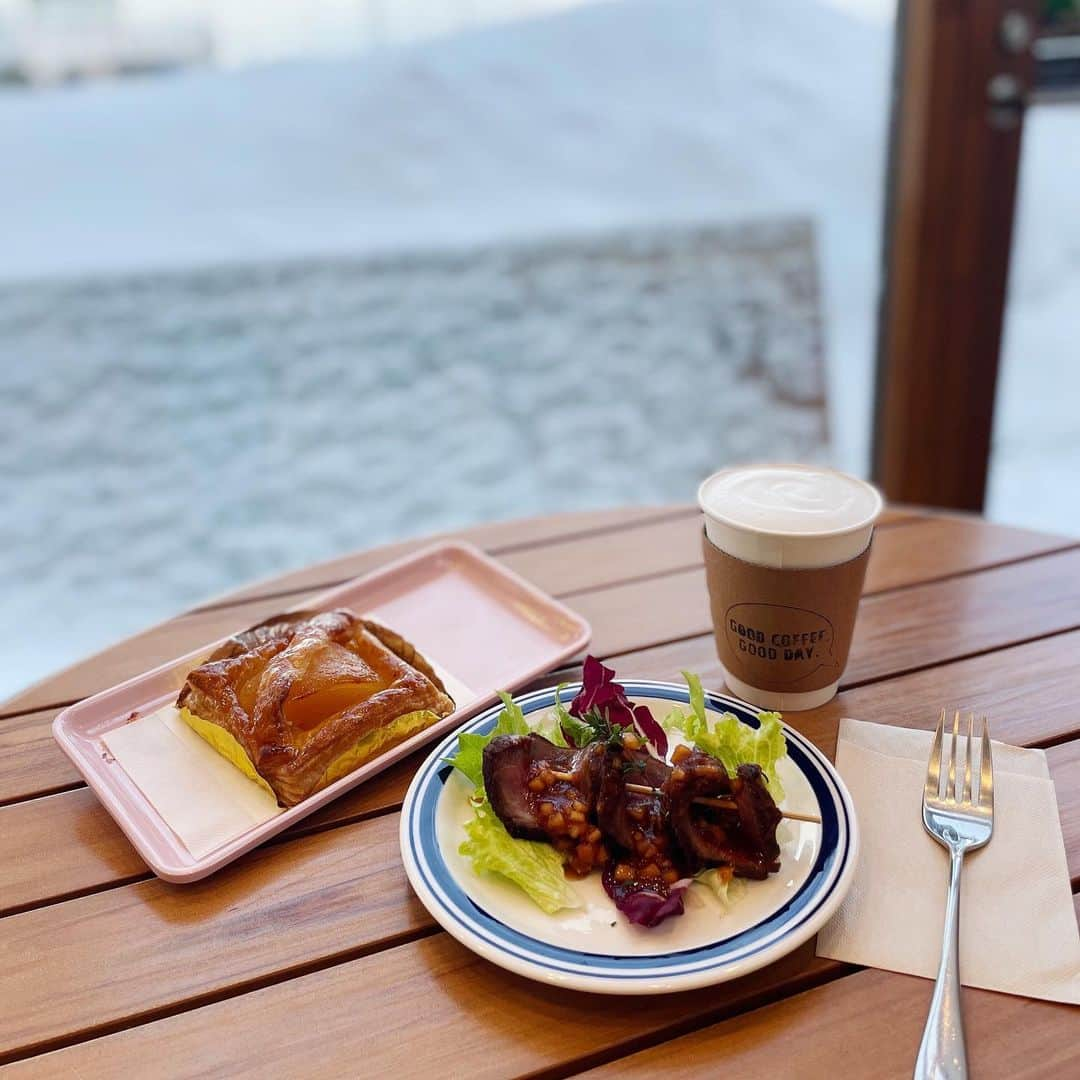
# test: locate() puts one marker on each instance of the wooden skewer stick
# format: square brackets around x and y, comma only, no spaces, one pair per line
[701,800]
[723,804]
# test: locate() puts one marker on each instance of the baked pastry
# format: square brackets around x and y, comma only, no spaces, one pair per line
[304,698]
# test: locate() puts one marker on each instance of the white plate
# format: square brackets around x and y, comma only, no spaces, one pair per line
[594,947]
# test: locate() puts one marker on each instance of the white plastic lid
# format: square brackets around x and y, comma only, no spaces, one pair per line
[789,515]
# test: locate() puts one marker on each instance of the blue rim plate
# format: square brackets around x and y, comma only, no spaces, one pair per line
[594,948]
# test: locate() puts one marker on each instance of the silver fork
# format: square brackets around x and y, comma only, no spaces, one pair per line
[960,824]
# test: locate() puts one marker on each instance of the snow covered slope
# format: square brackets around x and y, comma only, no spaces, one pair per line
[617,113]
[630,113]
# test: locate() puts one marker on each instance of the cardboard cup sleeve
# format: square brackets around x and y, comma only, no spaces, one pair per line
[787,631]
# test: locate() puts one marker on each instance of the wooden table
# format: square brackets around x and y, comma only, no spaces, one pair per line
[312,956]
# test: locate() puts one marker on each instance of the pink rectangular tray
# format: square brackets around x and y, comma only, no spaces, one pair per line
[489,628]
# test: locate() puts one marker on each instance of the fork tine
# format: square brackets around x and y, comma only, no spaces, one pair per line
[950,784]
[986,771]
[933,769]
[965,798]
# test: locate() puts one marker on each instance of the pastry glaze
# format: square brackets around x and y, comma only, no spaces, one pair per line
[308,697]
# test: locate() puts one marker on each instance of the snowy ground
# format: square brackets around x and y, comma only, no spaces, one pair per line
[179,433]
[647,112]
[599,122]
[1036,457]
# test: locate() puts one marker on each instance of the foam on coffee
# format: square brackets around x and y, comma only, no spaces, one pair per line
[788,515]
[784,498]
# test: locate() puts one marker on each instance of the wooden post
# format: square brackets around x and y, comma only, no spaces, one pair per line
[963,74]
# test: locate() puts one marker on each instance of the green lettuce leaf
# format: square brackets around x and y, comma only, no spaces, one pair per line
[728,739]
[551,727]
[697,698]
[535,867]
[511,720]
[561,715]
[727,888]
[580,733]
[469,758]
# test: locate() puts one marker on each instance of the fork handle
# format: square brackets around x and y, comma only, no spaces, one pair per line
[941,1054]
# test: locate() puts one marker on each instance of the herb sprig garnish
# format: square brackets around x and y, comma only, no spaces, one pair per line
[602,730]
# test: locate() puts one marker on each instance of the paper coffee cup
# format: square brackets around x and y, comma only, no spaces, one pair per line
[786,548]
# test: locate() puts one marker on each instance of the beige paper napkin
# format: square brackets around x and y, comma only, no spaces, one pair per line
[1018,930]
[205,799]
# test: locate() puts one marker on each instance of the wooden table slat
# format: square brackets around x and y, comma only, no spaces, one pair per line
[867,1025]
[941,547]
[138,949]
[428,1008]
[30,761]
[656,552]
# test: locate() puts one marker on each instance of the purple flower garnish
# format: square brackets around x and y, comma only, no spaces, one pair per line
[601,693]
[650,730]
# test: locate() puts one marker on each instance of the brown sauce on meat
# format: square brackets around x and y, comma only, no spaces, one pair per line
[562,811]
